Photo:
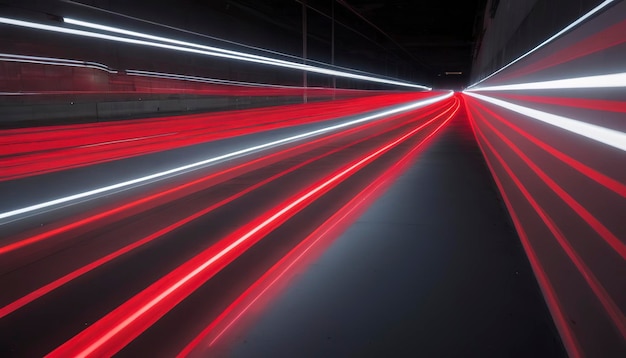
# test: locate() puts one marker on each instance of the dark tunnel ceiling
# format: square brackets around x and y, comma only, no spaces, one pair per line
[432,37]
[437,33]
[422,39]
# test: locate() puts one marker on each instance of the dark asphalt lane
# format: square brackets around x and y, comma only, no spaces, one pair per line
[433,269]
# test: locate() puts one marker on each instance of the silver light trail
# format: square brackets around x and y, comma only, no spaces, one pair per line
[197,165]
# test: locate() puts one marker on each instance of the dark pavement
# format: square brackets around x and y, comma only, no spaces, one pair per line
[433,269]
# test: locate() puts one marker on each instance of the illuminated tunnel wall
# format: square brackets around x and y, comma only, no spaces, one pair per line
[552,127]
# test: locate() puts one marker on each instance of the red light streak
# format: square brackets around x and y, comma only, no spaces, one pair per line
[570,227]
[4,311]
[598,42]
[591,220]
[608,136]
[567,28]
[322,236]
[567,335]
[589,172]
[37,151]
[593,104]
[126,322]
[220,176]
[613,311]
[50,204]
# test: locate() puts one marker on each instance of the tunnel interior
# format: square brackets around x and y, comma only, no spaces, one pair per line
[313,178]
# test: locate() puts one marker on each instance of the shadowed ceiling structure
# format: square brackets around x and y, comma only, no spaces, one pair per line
[428,42]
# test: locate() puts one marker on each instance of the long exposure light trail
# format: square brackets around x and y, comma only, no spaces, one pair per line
[55,61]
[160,83]
[610,137]
[595,175]
[8,57]
[611,239]
[614,80]
[338,157]
[187,233]
[585,103]
[564,184]
[244,56]
[554,302]
[603,296]
[105,336]
[592,44]
[161,232]
[91,220]
[207,80]
[30,151]
[167,40]
[181,169]
[563,31]
[247,58]
[326,231]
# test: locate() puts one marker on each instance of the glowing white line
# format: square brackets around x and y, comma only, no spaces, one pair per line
[207,263]
[197,165]
[165,39]
[99,66]
[603,135]
[239,57]
[119,327]
[38,26]
[206,80]
[281,63]
[601,81]
[126,140]
[54,61]
[564,30]
[319,237]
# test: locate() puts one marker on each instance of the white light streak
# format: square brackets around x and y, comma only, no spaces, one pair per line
[600,134]
[193,166]
[167,40]
[208,80]
[54,61]
[239,55]
[600,81]
[552,38]
[222,54]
